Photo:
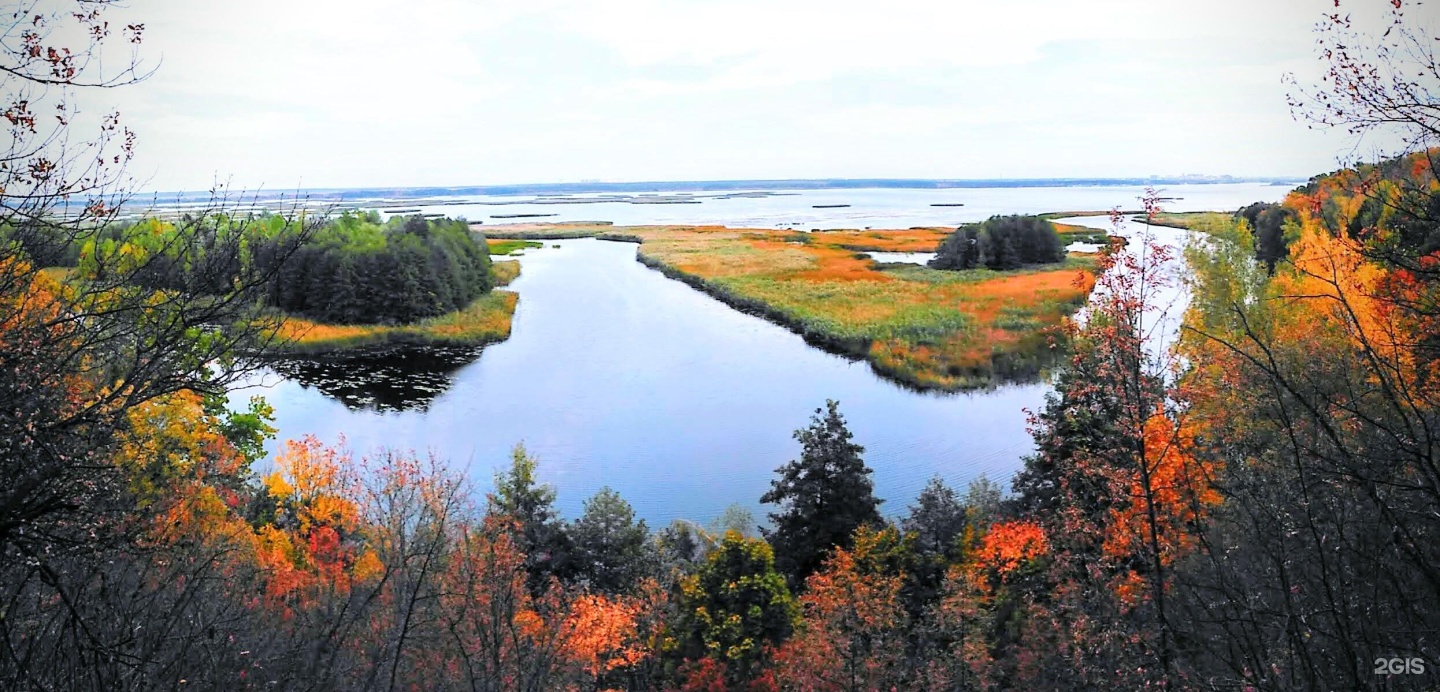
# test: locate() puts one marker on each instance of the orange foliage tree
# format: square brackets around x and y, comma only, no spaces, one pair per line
[853,634]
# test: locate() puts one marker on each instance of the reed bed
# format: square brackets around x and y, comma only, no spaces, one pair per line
[926,328]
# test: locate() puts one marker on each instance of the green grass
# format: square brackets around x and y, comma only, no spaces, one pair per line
[506,246]
[1189,220]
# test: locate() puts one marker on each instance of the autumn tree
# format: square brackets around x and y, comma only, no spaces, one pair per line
[733,611]
[1115,484]
[1315,389]
[1313,386]
[83,350]
[854,630]
[823,496]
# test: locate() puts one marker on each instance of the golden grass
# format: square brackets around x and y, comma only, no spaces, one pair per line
[924,327]
[912,240]
[1192,220]
[1072,229]
[504,271]
[486,320]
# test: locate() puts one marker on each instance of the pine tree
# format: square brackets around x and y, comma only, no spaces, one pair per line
[612,551]
[824,496]
[542,536]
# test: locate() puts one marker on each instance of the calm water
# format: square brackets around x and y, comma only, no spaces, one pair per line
[617,376]
[877,208]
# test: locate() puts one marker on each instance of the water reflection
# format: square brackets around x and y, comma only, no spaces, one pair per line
[391,379]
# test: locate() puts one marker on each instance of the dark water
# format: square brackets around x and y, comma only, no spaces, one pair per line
[617,376]
[389,379]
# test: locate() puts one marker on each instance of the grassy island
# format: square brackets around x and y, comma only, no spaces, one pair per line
[927,328]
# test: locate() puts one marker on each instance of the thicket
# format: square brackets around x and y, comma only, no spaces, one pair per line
[1267,222]
[356,270]
[1001,242]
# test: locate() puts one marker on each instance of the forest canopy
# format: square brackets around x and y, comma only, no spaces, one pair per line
[357,270]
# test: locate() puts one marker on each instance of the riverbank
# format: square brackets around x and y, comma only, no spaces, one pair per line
[486,320]
[926,328]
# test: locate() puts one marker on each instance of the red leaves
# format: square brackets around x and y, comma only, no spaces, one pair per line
[1010,545]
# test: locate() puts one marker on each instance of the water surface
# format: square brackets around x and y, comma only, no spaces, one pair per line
[615,375]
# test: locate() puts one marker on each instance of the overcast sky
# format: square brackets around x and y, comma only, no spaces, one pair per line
[341,93]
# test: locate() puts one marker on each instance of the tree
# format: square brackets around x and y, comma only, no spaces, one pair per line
[1375,84]
[983,501]
[959,250]
[853,635]
[1116,487]
[543,538]
[824,496]
[612,550]
[734,609]
[737,518]
[1267,221]
[1317,491]
[937,519]
[1001,242]
[94,356]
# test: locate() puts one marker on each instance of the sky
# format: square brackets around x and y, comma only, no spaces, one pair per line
[285,94]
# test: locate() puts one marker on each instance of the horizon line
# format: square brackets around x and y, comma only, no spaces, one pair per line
[736,183]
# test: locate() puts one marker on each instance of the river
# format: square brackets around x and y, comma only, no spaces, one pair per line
[616,376]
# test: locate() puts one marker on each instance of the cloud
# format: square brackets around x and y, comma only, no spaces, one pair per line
[362,92]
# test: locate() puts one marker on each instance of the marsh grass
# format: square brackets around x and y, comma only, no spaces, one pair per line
[506,246]
[1190,220]
[926,328]
[504,271]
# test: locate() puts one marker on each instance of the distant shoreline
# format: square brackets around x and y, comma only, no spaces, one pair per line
[316,195]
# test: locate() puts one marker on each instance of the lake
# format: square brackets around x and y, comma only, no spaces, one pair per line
[615,375]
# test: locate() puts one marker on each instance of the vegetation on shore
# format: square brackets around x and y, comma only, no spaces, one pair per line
[926,328]
[485,320]
[1072,233]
